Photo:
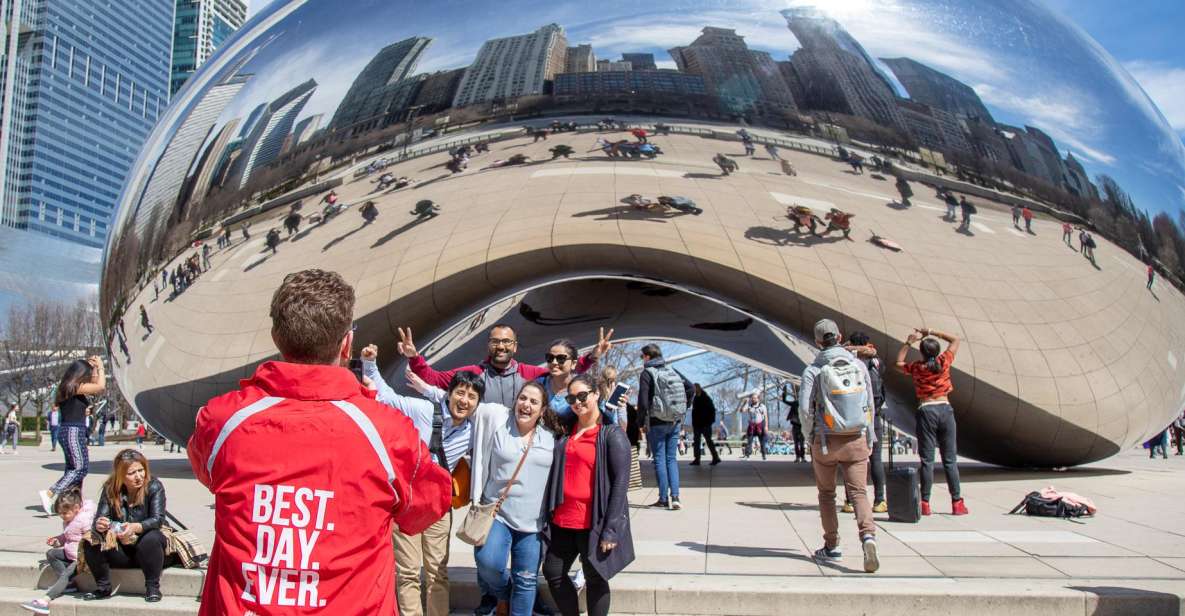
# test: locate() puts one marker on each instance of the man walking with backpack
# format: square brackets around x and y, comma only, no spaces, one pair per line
[663,395]
[836,407]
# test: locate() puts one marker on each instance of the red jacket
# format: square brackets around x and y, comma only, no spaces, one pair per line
[308,474]
[441,378]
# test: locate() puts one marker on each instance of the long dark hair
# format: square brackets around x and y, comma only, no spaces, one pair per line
[547,417]
[78,372]
[930,351]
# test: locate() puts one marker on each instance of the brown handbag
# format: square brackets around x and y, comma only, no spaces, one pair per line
[461,477]
[476,525]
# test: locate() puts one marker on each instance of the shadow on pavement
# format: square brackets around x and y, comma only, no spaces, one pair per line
[171,468]
[394,233]
[778,506]
[785,237]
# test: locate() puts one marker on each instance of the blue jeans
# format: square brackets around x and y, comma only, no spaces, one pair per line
[516,584]
[53,438]
[664,442]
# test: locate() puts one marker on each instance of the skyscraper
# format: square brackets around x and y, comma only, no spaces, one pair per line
[438,90]
[172,167]
[263,145]
[744,81]
[611,66]
[514,66]
[305,128]
[934,128]
[200,27]
[76,109]
[210,161]
[836,73]
[1076,181]
[926,85]
[640,61]
[580,59]
[371,94]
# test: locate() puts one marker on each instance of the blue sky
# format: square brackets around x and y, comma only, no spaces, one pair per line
[1030,65]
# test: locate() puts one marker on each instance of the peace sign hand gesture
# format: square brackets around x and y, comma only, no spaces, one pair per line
[406,345]
[604,343]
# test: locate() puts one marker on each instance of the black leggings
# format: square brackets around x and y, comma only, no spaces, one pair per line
[148,554]
[936,428]
[565,546]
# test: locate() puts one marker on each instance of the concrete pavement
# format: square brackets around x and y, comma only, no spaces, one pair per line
[742,544]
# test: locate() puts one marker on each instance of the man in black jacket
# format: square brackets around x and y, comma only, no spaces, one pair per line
[703,417]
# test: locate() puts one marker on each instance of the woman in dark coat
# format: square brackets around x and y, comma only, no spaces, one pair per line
[586,504]
[132,505]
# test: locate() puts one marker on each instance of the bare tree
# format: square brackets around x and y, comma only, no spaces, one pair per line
[37,341]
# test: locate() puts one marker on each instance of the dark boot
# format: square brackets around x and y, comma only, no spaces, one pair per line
[152,591]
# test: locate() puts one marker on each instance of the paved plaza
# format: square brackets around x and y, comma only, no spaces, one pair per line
[742,544]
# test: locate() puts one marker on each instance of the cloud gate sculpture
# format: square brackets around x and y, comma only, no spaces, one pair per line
[684,171]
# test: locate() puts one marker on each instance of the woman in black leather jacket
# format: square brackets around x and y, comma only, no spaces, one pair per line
[133,505]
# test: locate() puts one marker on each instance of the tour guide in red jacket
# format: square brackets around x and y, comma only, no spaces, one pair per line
[309,472]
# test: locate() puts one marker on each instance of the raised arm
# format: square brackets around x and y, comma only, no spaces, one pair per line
[903,352]
[419,365]
[951,339]
[98,382]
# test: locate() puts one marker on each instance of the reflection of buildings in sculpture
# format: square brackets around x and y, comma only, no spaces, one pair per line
[610,65]
[164,185]
[936,89]
[659,86]
[934,128]
[744,81]
[836,73]
[514,66]
[580,59]
[373,91]
[74,113]
[248,124]
[211,160]
[640,61]
[263,145]
[1076,180]
[305,128]
[201,27]
[1034,153]
[438,90]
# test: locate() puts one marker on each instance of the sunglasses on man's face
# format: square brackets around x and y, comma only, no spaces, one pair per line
[559,359]
[581,397]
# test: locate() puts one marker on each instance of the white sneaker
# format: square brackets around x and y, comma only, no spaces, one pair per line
[46,501]
[872,562]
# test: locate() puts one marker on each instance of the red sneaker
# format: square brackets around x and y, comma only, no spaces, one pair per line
[958,507]
[925,507]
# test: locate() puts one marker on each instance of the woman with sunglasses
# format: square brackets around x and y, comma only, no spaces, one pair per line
[586,503]
[561,368]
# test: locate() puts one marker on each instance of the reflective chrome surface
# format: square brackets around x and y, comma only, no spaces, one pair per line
[1064,361]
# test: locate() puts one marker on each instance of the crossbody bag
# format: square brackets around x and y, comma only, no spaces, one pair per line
[480,518]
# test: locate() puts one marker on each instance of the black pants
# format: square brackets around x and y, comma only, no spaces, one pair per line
[936,428]
[565,546]
[148,554]
[706,432]
[875,466]
[799,442]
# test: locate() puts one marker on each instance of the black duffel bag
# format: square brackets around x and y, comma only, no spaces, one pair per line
[1035,504]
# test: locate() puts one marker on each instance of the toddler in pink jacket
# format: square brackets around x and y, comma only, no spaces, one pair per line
[77,517]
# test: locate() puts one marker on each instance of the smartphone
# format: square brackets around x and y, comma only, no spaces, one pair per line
[356,368]
[617,396]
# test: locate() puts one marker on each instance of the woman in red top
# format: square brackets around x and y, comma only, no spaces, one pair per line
[586,498]
[935,416]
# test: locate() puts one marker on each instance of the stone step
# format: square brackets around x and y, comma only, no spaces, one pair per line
[701,595]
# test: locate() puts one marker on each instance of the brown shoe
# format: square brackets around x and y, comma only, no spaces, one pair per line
[503,609]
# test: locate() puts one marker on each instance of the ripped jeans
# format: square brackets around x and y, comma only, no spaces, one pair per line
[517,582]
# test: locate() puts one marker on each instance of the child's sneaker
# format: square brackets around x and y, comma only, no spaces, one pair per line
[37,606]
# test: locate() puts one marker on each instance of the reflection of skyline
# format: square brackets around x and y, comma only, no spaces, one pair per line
[1076,100]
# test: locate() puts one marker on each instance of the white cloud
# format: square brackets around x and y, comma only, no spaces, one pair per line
[1165,85]
[1065,114]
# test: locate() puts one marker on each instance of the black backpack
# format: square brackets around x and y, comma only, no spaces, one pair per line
[1035,504]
